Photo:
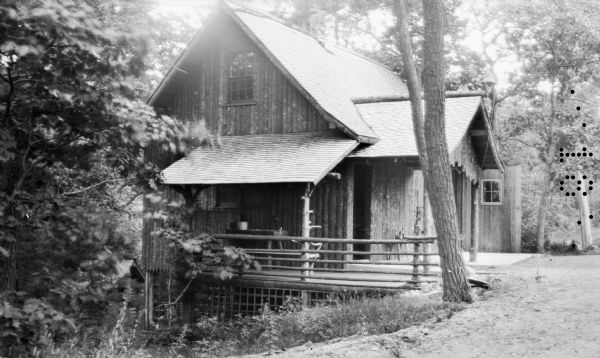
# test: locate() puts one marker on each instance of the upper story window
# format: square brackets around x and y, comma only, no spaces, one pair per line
[491,191]
[242,70]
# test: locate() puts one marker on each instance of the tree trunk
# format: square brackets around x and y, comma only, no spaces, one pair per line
[433,153]
[11,179]
[542,204]
[547,180]
[584,214]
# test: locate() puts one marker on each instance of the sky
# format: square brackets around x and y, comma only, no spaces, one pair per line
[380,20]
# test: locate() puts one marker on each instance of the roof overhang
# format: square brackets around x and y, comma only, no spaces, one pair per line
[256,159]
[486,140]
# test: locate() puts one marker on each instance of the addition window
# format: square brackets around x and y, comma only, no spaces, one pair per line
[242,69]
[235,197]
[491,191]
[228,197]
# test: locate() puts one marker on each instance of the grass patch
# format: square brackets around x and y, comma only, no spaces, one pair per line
[272,331]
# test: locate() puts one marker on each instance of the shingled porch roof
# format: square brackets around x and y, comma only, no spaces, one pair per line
[250,159]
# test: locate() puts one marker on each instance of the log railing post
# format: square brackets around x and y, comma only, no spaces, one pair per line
[427,230]
[416,278]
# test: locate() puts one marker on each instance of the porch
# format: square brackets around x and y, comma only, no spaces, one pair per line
[313,276]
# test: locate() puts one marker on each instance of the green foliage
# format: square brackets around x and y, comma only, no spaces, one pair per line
[561,248]
[559,52]
[357,25]
[72,138]
[201,253]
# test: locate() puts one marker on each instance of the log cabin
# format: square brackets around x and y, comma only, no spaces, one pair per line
[316,141]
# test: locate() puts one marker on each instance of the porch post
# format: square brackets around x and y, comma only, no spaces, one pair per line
[305,230]
[474,225]
[305,245]
[148,299]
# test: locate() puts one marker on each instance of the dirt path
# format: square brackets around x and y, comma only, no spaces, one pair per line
[543,307]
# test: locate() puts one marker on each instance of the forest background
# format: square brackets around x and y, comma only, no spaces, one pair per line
[74,77]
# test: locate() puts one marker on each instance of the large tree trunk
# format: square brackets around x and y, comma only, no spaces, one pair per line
[433,152]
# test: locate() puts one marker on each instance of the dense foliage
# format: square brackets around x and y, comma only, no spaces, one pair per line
[552,105]
[71,165]
[369,27]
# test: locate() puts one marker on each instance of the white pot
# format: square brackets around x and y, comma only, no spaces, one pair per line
[242,225]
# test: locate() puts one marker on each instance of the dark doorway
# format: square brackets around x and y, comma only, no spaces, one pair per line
[362,208]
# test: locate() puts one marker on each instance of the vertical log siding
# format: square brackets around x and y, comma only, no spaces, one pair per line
[199,93]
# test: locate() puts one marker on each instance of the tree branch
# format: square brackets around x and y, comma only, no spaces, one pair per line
[9,95]
[524,143]
[135,196]
[180,295]
[93,186]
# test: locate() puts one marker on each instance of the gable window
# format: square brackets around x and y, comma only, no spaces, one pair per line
[242,69]
[491,191]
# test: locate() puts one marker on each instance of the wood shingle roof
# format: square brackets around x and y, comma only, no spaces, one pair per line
[392,121]
[272,158]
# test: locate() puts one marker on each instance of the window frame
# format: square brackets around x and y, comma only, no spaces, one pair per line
[239,79]
[500,191]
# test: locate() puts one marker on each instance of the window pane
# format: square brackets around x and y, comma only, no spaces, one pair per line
[495,186]
[487,197]
[242,64]
[487,185]
[495,197]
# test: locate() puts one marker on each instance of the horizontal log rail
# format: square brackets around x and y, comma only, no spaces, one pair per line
[404,240]
[270,283]
[327,277]
[300,251]
[325,269]
[354,262]
[335,266]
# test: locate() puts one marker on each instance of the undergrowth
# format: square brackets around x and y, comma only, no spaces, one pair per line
[270,331]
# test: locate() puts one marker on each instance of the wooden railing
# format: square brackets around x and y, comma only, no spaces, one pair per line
[282,262]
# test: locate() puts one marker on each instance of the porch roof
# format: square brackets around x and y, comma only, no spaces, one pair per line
[275,158]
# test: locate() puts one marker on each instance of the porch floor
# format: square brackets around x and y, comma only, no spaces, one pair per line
[384,280]
[484,259]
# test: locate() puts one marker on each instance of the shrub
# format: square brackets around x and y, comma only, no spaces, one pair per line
[293,326]
[561,248]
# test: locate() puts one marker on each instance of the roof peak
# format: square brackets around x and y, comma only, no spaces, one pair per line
[448,94]
[321,40]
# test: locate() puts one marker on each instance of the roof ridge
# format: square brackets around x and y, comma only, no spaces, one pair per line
[280,21]
[385,99]
[364,57]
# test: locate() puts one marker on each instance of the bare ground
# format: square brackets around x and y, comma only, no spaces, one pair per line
[543,307]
